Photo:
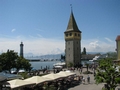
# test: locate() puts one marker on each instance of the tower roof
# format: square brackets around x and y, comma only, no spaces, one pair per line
[118,38]
[72,25]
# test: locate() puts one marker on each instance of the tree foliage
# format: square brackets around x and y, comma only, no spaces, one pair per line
[84,51]
[7,60]
[107,73]
[22,63]
[10,60]
[112,55]
[63,57]
[87,66]
[70,64]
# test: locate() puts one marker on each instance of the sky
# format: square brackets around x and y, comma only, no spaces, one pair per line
[40,25]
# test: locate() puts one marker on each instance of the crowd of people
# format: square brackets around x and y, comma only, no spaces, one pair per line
[61,83]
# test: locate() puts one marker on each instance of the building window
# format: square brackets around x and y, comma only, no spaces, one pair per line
[68,43]
[68,48]
[75,34]
[66,35]
[70,34]
[78,34]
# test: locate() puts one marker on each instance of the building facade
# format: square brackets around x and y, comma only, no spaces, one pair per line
[72,42]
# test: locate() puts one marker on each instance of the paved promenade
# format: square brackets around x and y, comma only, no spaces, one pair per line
[86,86]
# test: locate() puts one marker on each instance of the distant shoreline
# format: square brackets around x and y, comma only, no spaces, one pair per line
[43,60]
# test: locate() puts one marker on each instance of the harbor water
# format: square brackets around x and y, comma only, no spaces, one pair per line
[40,65]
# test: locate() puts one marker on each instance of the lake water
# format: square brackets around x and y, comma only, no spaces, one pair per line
[44,64]
[41,65]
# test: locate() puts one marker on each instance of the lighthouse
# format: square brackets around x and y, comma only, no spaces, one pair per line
[21,49]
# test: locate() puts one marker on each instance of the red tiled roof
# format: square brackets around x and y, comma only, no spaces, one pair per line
[118,38]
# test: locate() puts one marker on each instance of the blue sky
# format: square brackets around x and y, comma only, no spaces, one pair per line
[40,24]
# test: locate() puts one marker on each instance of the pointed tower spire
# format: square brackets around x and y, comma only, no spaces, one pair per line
[72,25]
[72,42]
[71,7]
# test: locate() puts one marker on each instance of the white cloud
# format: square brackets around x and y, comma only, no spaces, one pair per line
[41,46]
[39,35]
[37,46]
[13,30]
[108,39]
[95,45]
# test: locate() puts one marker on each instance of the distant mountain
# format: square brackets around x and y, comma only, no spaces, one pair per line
[96,52]
[52,56]
[48,56]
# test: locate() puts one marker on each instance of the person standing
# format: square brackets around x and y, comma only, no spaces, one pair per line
[88,79]
[83,79]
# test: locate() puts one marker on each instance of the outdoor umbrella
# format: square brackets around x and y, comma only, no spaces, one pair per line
[52,76]
[65,74]
[19,83]
[37,79]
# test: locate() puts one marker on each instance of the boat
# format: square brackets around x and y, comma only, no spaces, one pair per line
[59,65]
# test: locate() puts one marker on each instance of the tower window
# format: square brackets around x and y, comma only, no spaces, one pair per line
[75,34]
[68,48]
[78,34]
[70,34]
[68,43]
[66,35]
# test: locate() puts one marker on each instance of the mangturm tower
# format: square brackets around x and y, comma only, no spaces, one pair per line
[21,49]
[118,47]
[72,42]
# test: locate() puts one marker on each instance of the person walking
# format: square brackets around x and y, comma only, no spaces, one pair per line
[83,79]
[88,79]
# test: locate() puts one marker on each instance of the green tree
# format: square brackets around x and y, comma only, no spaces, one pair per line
[107,73]
[10,60]
[27,65]
[22,63]
[63,57]
[87,66]
[112,55]
[7,60]
[84,51]
[70,64]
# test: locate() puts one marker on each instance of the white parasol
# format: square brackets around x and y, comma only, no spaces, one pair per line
[19,83]
[37,79]
[52,76]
